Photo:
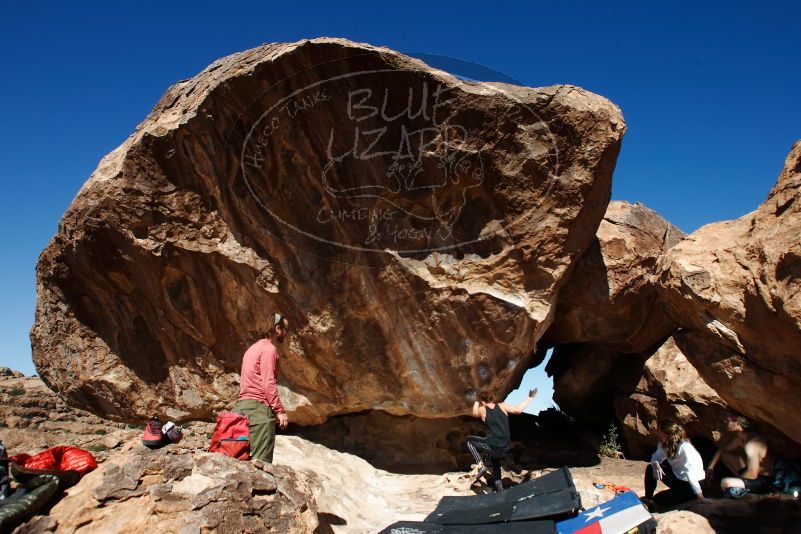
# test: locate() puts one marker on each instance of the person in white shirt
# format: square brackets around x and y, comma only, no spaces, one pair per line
[678,465]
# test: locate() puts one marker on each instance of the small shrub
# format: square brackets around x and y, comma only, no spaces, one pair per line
[97,448]
[100,432]
[610,443]
[16,392]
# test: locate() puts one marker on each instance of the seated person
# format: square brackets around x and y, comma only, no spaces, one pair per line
[678,465]
[496,417]
[745,455]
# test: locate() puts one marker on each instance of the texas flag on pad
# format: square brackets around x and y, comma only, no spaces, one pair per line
[623,514]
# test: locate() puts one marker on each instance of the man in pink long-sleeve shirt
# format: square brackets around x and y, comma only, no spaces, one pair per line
[258,390]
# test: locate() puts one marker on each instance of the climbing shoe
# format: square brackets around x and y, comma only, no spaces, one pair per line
[481,471]
[152,436]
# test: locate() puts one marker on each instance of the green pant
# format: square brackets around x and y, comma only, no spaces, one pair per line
[262,428]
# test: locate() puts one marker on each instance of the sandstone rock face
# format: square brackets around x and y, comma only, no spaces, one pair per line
[608,319]
[735,288]
[138,490]
[610,298]
[414,228]
[670,388]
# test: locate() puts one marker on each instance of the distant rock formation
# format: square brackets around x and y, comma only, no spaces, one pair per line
[5,371]
[413,227]
[33,418]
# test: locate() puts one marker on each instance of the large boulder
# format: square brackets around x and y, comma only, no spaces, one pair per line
[178,490]
[413,227]
[735,288]
[610,299]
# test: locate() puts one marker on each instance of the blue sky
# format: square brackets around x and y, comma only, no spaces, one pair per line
[710,92]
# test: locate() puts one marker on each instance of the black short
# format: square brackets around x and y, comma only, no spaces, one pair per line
[760,484]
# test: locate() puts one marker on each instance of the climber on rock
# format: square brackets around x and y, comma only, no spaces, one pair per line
[496,443]
[746,458]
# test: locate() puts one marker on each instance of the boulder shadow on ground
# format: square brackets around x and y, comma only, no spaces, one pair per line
[327,520]
[413,445]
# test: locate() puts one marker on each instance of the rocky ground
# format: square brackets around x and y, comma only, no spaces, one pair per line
[311,488]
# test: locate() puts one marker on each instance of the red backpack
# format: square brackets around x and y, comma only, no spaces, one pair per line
[231,435]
